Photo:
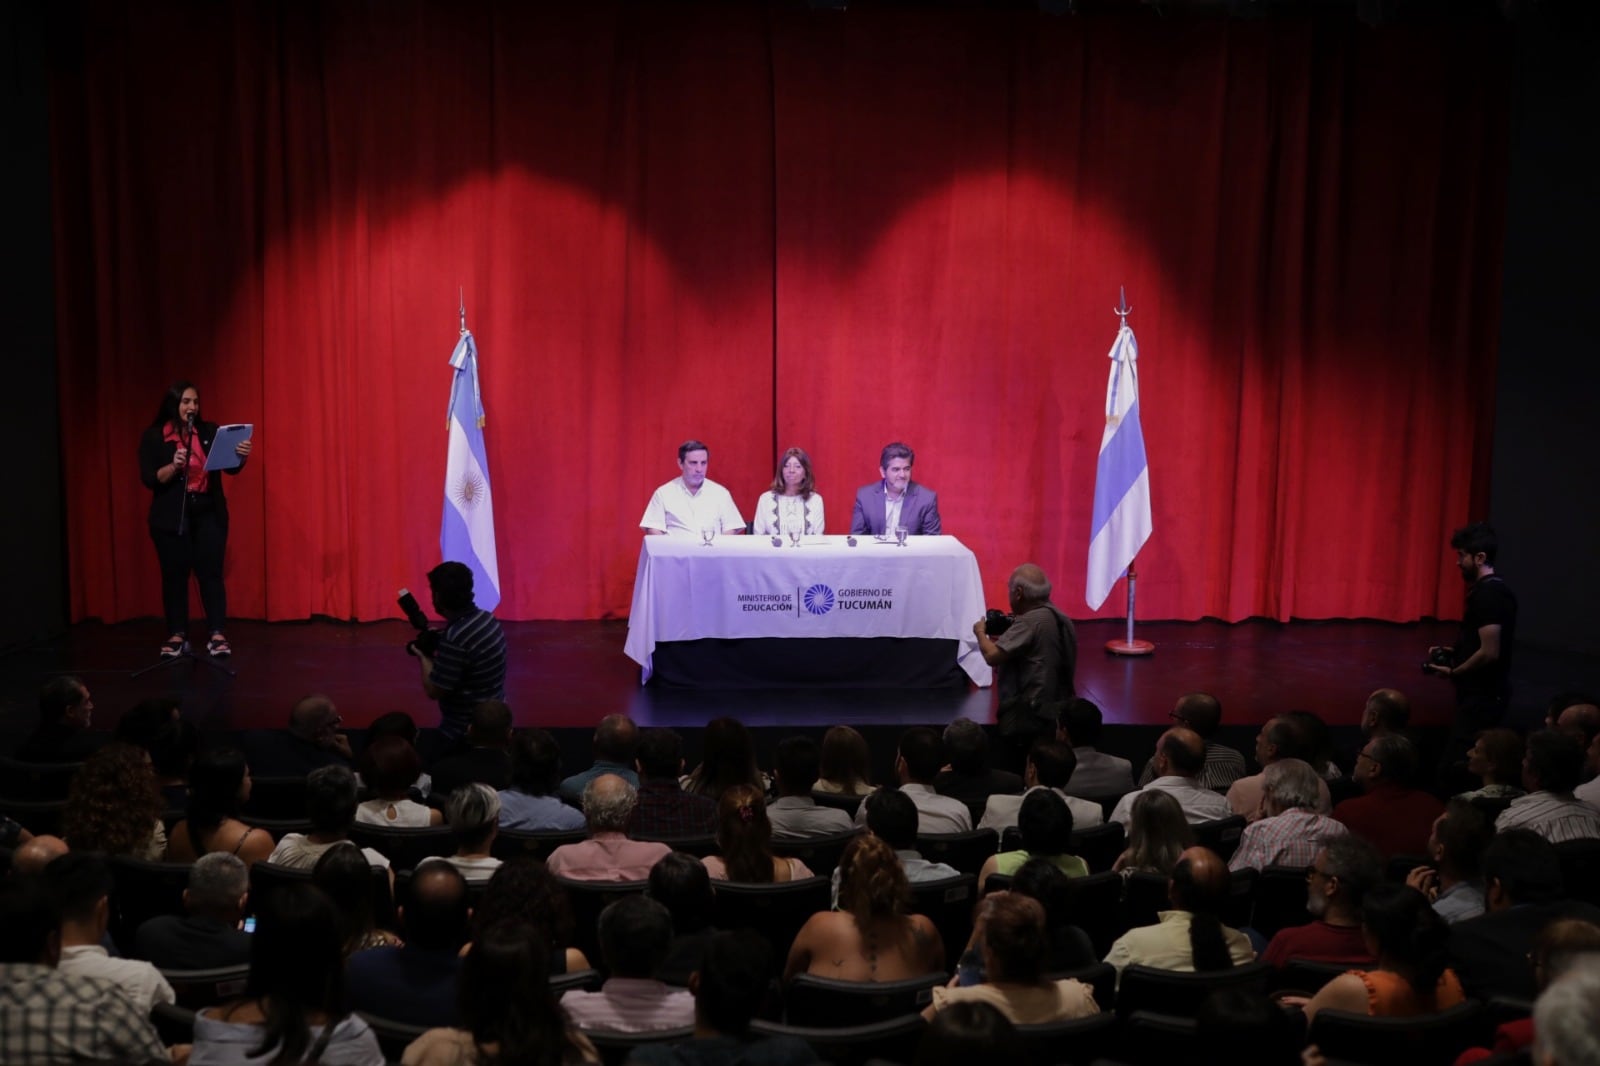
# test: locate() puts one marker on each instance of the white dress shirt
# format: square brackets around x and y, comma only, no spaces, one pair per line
[1199,804]
[1552,817]
[1001,812]
[935,813]
[683,514]
[141,982]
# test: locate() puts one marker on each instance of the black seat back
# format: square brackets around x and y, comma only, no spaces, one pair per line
[820,854]
[965,851]
[822,1001]
[405,848]
[776,911]
[948,903]
[1417,1040]
[1174,992]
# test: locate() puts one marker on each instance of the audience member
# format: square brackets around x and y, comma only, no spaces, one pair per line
[872,936]
[416,982]
[66,711]
[1069,946]
[616,743]
[331,810]
[1051,765]
[1337,882]
[114,805]
[1179,760]
[294,1001]
[172,743]
[843,770]
[1097,774]
[1580,721]
[508,1012]
[345,876]
[485,759]
[1280,738]
[794,813]
[1202,713]
[1290,829]
[1452,884]
[524,891]
[728,989]
[744,838]
[969,777]
[1589,791]
[145,719]
[1386,714]
[1551,769]
[1390,812]
[727,758]
[80,886]
[635,937]
[1319,742]
[1158,835]
[680,883]
[390,767]
[893,818]
[1522,893]
[473,811]
[51,1018]
[1045,823]
[1563,1018]
[1496,760]
[312,741]
[33,855]
[916,765]
[665,811]
[1561,945]
[608,854]
[970,1031]
[219,788]
[12,833]
[1412,976]
[1190,937]
[402,726]
[210,933]
[530,804]
[1011,934]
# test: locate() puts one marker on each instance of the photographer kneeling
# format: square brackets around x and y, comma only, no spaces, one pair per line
[468,665]
[1035,652]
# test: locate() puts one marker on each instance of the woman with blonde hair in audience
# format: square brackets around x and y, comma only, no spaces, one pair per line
[114,805]
[843,769]
[1158,834]
[873,936]
[727,758]
[219,785]
[744,839]
[1012,940]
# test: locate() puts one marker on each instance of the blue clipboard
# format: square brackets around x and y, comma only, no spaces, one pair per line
[221,455]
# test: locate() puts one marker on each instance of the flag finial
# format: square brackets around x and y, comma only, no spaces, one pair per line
[1123,310]
[462,309]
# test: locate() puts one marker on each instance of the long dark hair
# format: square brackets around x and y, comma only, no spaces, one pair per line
[296,968]
[504,998]
[1204,903]
[744,835]
[1409,933]
[214,782]
[344,875]
[727,758]
[168,411]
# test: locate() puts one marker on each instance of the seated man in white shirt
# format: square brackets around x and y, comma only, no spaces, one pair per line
[892,818]
[635,935]
[916,765]
[691,502]
[794,813]
[1180,757]
[1050,765]
[1551,769]
[80,883]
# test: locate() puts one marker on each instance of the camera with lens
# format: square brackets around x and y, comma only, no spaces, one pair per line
[427,639]
[1445,657]
[996,621]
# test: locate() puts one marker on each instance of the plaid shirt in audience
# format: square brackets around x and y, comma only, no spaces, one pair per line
[1292,838]
[668,812]
[48,1017]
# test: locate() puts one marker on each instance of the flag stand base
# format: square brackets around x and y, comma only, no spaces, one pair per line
[1130,647]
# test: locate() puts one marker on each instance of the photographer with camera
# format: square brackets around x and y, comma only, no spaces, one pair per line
[1479,663]
[1035,652]
[466,663]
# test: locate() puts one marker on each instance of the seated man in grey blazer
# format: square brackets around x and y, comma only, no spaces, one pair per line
[895,501]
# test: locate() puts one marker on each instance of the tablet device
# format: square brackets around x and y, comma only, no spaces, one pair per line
[221,455]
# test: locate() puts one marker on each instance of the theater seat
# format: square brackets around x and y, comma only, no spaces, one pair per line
[820,854]
[1174,992]
[947,903]
[614,1048]
[1420,1040]
[405,848]
[893,1039]
[967,851]
[515,844]
[142,891]
[1077,1041]
[823,1001]
[775,911]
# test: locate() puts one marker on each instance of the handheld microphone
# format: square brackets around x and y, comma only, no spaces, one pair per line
[190,419]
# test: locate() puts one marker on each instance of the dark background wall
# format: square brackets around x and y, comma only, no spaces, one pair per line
[1546,464]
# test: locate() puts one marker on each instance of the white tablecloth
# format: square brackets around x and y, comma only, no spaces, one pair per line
[745,587]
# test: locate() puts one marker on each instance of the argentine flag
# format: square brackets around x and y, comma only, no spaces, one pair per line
[1122,477]
[467,534]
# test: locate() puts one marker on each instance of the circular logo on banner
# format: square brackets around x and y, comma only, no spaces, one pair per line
[819,599]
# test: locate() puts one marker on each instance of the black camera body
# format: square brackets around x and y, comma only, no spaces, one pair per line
[996,621]
[1445,657]
[427,638]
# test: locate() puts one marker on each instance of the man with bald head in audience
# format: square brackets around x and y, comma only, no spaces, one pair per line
[1281,738]
[1202,712]
[1179,759]
[33,856]
[1387,713]
[416,983]
[1197,890]
[312,740]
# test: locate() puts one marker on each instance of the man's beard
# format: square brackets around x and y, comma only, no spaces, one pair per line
[1469,574]
[1316,905]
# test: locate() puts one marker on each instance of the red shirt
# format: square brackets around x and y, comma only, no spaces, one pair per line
[1319,942]
[1397,820]
[195,468]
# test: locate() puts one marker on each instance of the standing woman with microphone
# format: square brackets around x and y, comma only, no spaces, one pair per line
[188,515]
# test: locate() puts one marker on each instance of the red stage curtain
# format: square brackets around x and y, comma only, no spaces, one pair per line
[770,226]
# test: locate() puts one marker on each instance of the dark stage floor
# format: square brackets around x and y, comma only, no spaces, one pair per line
[566,675]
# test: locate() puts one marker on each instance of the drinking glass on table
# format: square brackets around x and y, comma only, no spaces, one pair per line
[706,535]
[793,527]
[900,535]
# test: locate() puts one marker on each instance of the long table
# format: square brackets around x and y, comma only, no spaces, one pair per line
[744,587]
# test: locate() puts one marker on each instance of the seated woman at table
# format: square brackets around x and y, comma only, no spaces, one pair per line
[791,499]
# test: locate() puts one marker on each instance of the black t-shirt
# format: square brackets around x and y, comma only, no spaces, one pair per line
[1490,602]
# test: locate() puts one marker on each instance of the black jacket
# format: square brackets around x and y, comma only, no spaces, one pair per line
[166,501]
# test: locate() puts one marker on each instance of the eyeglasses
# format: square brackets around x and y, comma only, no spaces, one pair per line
[1176,717]
[1312,873]
[1364,755]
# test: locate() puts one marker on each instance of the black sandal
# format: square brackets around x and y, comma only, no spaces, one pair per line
[173,647]
[217,647]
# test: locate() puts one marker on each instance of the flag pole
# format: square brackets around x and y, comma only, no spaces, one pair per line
[1128,646]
